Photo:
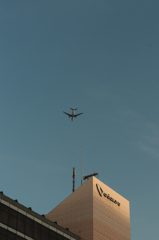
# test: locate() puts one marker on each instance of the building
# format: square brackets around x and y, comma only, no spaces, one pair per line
[94,212]
[18,222]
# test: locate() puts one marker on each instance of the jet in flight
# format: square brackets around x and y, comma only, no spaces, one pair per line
[73,115]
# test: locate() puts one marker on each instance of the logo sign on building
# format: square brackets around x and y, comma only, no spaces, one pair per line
[105,195]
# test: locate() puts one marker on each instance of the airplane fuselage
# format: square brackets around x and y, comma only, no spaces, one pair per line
[73,115]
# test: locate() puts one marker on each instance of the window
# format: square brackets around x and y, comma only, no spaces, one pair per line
[11,236]
[3,217]
[44,236]
[37,234]
[21,226]
[29,230]
[12,221]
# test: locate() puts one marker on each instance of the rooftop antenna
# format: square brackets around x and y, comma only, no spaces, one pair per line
[91,175]
[81,165]
[74,173]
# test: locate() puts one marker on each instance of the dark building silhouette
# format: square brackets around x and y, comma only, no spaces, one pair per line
[18,222]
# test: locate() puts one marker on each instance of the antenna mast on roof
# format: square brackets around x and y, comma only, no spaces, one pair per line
[74,173]
[81,165]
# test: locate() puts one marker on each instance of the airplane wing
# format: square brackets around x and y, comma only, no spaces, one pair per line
[68,114]
[77,114]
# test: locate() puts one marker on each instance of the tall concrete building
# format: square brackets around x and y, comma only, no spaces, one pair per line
[94,212]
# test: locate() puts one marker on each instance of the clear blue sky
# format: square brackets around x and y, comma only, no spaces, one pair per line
[101,57]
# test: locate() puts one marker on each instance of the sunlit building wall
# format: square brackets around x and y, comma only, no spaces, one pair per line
[94,211]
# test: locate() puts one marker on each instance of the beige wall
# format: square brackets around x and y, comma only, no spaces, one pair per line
[94,217]
[76,212]
[110,221]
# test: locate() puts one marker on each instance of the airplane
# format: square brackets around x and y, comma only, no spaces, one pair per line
[73,115]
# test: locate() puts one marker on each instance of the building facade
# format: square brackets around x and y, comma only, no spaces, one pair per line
[18,222]
[94,212]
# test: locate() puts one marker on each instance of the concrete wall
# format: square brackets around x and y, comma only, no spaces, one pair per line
[94,211]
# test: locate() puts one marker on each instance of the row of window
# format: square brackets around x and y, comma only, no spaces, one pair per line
[25,225]
[7,235]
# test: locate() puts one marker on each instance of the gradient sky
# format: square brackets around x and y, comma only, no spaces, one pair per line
[101,57]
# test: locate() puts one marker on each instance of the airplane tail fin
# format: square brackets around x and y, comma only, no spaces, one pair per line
[73,109]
